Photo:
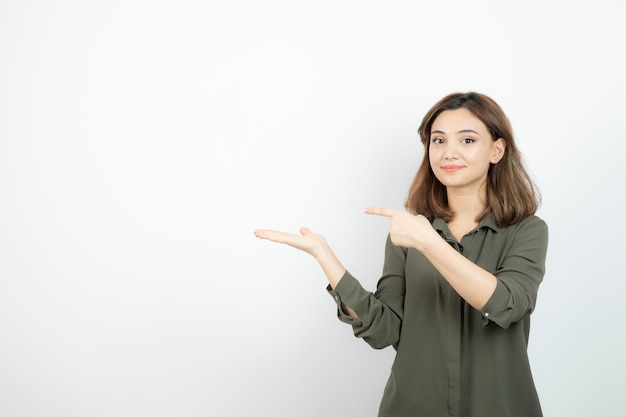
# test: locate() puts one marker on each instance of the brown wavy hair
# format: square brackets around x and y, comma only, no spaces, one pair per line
[511,194]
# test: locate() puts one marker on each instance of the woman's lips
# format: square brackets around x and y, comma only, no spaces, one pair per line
[452,168]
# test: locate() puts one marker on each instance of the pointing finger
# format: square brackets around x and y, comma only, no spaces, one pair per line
[381,211]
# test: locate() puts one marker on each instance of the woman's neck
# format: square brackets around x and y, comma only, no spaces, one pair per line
[466,205]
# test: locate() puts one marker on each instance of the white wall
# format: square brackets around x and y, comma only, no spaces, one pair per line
[141,143]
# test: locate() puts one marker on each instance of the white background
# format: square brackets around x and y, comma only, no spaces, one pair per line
[142,142]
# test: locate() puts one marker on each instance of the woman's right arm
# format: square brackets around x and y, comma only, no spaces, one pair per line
[316,246]
[380,315]
[377,318]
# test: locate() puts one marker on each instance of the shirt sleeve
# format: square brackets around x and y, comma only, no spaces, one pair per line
[380,313]
[519,274]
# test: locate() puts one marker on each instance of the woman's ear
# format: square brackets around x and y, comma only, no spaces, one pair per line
[497,150]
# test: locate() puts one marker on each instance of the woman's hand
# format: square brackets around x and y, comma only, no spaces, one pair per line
[307,241]
[313,244]
[406,229]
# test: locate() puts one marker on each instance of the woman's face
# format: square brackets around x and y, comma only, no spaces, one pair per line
[461,149]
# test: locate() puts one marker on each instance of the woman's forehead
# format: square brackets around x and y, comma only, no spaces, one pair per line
[451,121]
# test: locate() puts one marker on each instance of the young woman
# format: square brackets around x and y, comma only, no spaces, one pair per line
[461,272]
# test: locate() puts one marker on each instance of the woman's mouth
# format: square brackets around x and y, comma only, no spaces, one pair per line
[452,168]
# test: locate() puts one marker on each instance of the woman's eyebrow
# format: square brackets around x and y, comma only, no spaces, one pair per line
[468,131]
[440,132]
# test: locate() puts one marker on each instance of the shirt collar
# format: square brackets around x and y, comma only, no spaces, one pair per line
[489,221]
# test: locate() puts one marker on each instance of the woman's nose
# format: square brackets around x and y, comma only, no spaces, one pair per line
[451,153]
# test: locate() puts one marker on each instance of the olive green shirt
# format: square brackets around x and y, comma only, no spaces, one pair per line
[453,360]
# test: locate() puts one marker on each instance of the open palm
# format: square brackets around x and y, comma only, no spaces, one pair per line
[307,241]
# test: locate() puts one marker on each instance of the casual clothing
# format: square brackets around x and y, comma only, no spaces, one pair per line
[453,360]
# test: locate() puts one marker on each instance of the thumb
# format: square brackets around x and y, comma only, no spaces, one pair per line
[305,231]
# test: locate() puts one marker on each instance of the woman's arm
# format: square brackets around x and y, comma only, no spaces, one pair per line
[315,245]
[503,298]
[379,317]
[473,283]
[470,281]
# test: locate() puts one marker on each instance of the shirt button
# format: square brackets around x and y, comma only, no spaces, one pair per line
[486,314]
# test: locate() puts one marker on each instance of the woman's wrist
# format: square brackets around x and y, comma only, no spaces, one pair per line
[332,267]
[427,242]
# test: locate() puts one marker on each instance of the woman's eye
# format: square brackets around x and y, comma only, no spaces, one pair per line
[437,140]
[468,140]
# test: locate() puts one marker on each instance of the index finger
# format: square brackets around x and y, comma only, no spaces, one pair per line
[381,211]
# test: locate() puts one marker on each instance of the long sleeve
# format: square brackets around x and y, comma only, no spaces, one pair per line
[379,314]
[519,273]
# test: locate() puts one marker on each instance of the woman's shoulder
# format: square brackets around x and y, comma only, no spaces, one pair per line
[533,220]
[532,226]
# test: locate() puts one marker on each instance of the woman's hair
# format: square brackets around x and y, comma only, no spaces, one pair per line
[511,194]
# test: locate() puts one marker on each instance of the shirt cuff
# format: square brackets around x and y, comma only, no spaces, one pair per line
[496,304]
[345,289]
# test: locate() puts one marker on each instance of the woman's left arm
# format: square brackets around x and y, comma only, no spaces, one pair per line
[473,283]
[469,280]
